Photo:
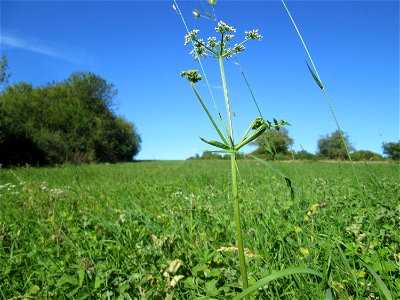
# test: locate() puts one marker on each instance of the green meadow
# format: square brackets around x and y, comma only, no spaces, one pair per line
[165,230]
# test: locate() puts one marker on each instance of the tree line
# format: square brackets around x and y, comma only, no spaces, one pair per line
[276,145]
[63,122]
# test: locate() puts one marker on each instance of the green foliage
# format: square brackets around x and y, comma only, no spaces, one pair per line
[304,155]
[210,155]
[4,76]
[273,143]
[64,122]
[365,155]
[331,146]
[392,150]
[164,230]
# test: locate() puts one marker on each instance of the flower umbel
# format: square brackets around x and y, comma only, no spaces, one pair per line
[253,35]
[192,75]
[219,48]
[191,36]
[223,27]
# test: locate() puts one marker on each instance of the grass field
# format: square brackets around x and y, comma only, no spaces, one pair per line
[165,230]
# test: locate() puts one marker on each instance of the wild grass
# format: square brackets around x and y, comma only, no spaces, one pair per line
[165,230]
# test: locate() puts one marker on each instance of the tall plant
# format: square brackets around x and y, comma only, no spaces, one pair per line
[220,48]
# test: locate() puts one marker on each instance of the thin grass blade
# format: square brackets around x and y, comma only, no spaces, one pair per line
[260,283]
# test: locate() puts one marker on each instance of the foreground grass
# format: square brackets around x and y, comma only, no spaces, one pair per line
[165,230]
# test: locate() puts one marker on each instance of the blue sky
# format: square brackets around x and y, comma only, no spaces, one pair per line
[138,46]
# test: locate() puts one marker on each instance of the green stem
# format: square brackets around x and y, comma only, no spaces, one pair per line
[242,260]
[228,109]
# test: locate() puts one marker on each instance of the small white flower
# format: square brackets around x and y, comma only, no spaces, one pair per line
[253,35]
[212,42]
[191,36]
[228,37]
[222,27]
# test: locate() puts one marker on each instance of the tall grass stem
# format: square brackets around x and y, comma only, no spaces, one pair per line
[324,90]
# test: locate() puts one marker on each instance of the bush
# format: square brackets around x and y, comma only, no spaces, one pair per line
[304,155]
[366,155]
[63,122]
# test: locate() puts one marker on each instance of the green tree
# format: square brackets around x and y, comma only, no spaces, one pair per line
[4,75]
[273,142]
[331,146]
[64,122]
[95,92]
[392,150]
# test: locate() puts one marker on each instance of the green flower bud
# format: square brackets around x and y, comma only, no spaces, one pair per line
[192,75]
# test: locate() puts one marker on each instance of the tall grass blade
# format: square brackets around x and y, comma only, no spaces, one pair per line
[260,283]
[381,285]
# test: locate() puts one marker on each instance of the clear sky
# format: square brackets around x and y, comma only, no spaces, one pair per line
[138,46]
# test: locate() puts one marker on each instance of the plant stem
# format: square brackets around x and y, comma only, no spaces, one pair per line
[242,260]
[228,109]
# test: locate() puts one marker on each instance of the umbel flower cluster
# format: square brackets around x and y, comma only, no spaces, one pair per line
[219,48]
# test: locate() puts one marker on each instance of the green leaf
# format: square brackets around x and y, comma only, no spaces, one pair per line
[317,80]
[208,114]
[255,135]
[66,279]
[81,276]
[328,294]
[215,144]
[211,288]
[260,283]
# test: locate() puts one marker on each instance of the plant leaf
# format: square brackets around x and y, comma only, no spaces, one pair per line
[328,294]
[317,80]
[260,283]
[209,115]
[255,135]
[215,144]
